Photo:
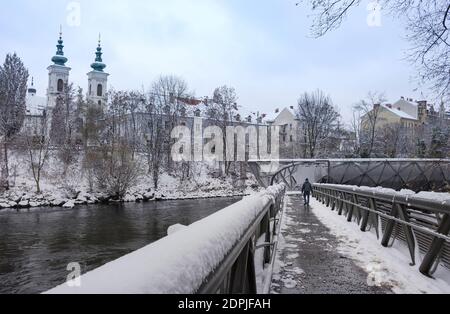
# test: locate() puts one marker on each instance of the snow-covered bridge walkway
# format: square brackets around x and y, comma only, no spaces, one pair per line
[320,252]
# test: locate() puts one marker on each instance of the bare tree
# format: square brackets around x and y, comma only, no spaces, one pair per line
[427,25]
[167,93]
[38,151]
[154,137]
[221,111]
[116,171]
[63,130]
[318,117]
[356,126]
[369,109]
[13,89]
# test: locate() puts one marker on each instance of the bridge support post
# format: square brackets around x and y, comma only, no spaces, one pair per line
[334,200]
[243,275]
[436,247]
[366,215]
[352,208]
[403,214]
[389,227]
[341,203]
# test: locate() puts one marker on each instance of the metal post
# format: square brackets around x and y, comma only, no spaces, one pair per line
[436,247]
[341,204]
[366,215]
[408,232]
[334,200]
[352,208]
[389,227]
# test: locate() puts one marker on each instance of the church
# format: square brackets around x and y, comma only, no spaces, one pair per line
[58,78]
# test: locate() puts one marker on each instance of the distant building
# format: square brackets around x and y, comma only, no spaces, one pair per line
[58,79]
[290,132]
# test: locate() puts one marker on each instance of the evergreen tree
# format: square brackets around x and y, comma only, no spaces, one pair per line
[438,143]
[421,148]
[13,91]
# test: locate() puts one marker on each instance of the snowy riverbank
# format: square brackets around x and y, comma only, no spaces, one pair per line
[72,189]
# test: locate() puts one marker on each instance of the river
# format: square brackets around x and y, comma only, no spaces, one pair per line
[37,246]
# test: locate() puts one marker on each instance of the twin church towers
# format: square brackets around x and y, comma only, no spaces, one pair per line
[58,77]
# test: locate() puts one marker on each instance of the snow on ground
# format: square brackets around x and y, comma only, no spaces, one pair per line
[179,263]
[72,188]
[288,279]
[385,266]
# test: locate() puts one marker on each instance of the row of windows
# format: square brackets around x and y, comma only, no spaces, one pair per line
[99,90]
[60,88]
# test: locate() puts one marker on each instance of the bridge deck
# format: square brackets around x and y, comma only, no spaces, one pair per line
[307,261]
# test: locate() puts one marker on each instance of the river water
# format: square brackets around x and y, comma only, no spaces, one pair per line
[37,246]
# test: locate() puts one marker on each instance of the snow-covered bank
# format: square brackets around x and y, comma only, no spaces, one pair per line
[21,199]
[181,262]
[72,188]
[385,266]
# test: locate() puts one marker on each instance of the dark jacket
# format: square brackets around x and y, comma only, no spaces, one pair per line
[307,188]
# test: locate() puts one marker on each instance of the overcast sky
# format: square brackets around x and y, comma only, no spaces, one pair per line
[263,48]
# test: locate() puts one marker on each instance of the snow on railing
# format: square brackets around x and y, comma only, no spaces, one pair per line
[182,262]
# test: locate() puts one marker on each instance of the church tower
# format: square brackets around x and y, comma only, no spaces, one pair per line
[98,80]
[58,74]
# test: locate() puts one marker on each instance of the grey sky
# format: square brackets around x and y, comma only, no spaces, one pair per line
[262,48]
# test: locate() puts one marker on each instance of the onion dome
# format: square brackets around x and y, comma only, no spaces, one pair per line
[98,65]
[59,58]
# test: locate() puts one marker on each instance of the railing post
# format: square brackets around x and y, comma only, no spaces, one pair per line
[389,227]
[341,203]
[366,215]
[243,278]
[352,207]
[403,214]
[265,226]
[334,199]
[436,247]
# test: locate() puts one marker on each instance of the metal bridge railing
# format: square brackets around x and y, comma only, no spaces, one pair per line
[236,274]
[394,215]
[213,256]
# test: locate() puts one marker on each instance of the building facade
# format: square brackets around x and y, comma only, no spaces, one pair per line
[58,79]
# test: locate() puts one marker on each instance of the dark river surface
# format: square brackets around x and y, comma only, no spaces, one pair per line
[37,246]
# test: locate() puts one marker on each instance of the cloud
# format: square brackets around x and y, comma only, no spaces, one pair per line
[261,47]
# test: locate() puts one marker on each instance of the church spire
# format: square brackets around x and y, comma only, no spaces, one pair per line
[98,65]
[59,58]
[32,90]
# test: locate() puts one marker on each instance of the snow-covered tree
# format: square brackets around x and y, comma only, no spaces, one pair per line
[221,111]
[13,90]
[319,118]
[37,149]
[167,92]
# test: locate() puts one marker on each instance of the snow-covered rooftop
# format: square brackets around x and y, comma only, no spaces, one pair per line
[399,113]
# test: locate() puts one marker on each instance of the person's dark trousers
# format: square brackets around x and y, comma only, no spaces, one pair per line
[306,197]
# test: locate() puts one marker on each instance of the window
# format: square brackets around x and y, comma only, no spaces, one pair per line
[99,90]
[60,85]
[90,89]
